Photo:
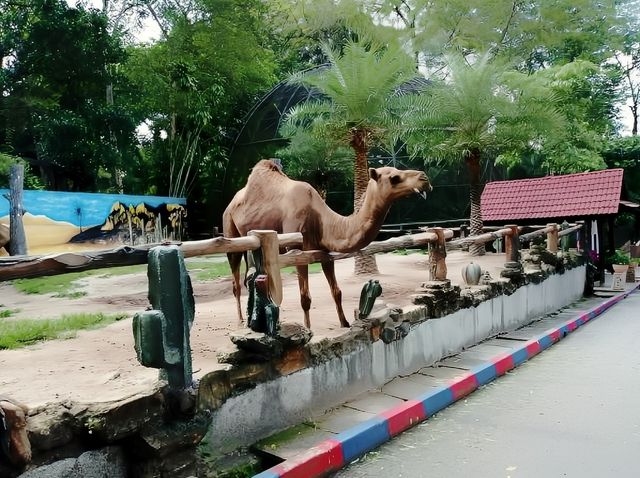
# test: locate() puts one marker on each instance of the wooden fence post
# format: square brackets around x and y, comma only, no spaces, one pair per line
[552,238]
[512,244]
[437,256]
[270,262]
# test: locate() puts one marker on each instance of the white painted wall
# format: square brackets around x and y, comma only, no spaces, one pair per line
[283,402]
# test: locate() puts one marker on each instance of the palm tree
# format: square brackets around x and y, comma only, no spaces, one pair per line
[360,88]
[484,110]
[316,161]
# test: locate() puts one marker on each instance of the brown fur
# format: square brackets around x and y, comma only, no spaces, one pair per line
[273,201]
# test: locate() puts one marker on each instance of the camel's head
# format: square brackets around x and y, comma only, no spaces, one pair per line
[394,183]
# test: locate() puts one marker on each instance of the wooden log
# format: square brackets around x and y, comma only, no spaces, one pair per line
[532,235]
[569,230]
[482,238]
[552,237]
[270,262]
[219,245]
[299,258]
[37,266]
[17,238]
[437,256]
[512,244]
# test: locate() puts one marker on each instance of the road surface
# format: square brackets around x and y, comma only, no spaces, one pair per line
[571,411]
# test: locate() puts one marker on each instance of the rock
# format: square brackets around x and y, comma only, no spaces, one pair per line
[240,357]
[292,334]
[104,463]
[256,342]
[293,360]
[53,427]
[388,333]
[112,421]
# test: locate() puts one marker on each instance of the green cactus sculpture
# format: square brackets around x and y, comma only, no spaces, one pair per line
[262,313]
[162,334]
[370,292]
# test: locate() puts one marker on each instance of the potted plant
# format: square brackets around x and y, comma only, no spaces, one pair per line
[619,260]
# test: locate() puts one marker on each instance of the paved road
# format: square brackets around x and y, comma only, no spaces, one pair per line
[572,411]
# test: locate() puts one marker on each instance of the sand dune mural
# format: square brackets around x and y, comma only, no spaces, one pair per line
[62,221]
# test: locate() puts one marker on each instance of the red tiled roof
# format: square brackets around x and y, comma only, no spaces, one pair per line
[569,195]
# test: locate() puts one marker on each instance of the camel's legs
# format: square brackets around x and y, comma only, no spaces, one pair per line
[329,272]
[305,297]
[235,258]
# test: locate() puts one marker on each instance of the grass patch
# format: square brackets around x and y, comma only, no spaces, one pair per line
[208,270]
[20,333]
[313,268]
[63,285]
[7,312]
[214,270]
[276,440]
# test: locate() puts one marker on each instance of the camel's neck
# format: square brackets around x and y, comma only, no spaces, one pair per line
[350,233]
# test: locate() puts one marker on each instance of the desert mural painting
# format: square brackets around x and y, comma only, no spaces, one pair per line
[63,221]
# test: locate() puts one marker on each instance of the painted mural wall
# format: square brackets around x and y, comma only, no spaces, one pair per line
[62,221]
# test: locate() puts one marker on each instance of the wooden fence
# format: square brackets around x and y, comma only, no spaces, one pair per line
[271,243]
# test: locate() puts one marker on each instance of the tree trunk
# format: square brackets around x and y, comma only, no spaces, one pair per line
[359,142]
[473,163]
[634,112]
[17,239]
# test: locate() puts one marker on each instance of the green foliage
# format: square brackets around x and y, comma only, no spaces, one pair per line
[619,257]
[31,181]
[484,107]
[4,313]
[20,333]
[359,85]
[315,160]
[54,109]
[195,85]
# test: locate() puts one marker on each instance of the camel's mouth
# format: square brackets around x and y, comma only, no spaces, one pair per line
[426,186]
[422,194]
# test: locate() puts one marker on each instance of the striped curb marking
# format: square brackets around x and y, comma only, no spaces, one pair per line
[334,453]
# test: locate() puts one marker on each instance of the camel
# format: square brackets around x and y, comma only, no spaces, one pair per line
[272,201]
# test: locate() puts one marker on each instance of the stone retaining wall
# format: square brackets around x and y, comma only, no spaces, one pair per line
[367,364]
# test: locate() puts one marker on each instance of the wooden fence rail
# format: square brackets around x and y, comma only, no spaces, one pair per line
[299,258]
[22,267]
[17,267]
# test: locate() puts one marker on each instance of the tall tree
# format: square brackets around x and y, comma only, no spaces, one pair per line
[481,111]
[195,84]
[360,85]
[53,111]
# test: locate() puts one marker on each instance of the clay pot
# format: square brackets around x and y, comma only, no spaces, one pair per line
[620,268]
[471,274]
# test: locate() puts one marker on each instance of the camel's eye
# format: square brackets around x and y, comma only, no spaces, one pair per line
[395,179]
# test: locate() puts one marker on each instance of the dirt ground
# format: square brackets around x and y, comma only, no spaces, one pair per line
[100,365]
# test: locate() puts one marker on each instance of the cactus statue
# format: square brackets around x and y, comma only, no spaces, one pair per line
[371,290]
[262,312]
[162,335]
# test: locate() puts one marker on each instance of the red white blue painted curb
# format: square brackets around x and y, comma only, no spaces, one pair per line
[333,454]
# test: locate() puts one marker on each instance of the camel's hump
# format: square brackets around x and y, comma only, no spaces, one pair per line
[267,165]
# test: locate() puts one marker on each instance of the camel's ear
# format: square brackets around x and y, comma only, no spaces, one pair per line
[373,174]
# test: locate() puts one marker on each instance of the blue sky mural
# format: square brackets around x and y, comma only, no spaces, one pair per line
[80,209]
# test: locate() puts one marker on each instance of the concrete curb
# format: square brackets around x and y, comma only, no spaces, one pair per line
[333,454]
